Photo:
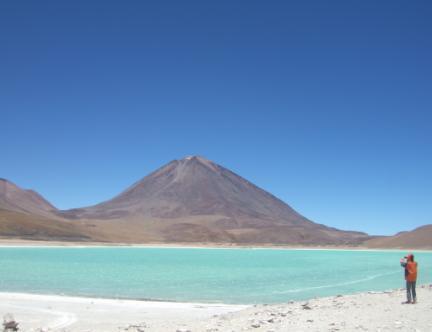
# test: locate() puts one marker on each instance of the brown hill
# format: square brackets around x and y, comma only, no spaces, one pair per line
[25,214]
[419,238]
[196,200]
[24,226]
[14,198]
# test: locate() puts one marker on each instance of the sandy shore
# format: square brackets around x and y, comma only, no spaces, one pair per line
[11,243]
[64,313]
[374,311]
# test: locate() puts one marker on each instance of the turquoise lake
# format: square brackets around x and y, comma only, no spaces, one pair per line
[203,275]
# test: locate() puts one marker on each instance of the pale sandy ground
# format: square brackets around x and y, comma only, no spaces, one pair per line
[19,243]
[8,242]
[374,311]
[62,313]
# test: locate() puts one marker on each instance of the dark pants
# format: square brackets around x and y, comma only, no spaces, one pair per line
[411,292]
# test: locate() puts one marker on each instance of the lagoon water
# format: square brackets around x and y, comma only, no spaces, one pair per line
[202,275]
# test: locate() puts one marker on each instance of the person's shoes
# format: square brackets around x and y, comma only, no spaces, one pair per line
[414,302]
[406,302]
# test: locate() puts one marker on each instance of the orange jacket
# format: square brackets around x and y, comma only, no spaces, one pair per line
[412,271]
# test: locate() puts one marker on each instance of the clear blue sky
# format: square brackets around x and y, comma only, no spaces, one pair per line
[326,104]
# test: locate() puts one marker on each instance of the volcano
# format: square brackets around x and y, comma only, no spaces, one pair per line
[197,200]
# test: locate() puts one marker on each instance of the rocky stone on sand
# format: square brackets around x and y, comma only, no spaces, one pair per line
[306,306]
[9,323]
[135,327]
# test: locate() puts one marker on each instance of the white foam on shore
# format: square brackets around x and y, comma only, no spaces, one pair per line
[127,302]
[347,283]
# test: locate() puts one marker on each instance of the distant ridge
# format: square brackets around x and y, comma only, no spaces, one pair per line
[25,214]
[419,238]
[16,199]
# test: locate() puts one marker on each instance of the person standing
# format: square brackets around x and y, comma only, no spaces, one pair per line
[411,277]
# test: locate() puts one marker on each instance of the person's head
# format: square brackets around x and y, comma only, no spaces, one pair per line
[410,258]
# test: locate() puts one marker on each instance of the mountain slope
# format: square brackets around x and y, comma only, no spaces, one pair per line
[419,238]
[193,186]
[194,199]
[25,226]
[14,198]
